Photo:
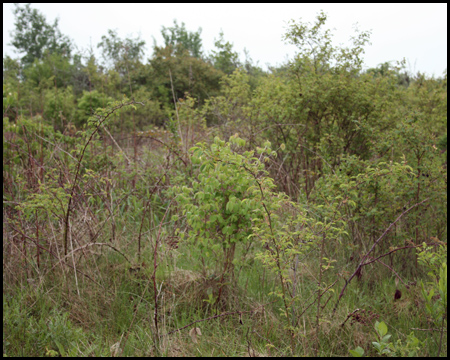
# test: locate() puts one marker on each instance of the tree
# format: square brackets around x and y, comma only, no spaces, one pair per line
[34,36]
[124,55]
[189,74]
[119,51]
[181,39]
[224,59]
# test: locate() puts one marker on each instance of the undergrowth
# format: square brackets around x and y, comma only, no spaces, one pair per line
[307,219]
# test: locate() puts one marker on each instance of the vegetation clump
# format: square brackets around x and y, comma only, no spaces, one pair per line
[195,204]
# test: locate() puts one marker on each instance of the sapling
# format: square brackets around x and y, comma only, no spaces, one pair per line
[226,199]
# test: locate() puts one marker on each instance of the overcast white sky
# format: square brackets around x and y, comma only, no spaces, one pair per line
[417,32]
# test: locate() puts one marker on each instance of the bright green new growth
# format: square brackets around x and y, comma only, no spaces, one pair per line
[435,291]
[385,347]
[232,201]
[227,199]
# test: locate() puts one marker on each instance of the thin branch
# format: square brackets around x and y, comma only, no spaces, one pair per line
[92,244]
[53,254]
[176,109]
[394,250]
[155,266]
[101,121]
[324,292]
[349,316]
[115,142]
[362,263]
[398,276]
[142,134]
[417,329]
[55,145]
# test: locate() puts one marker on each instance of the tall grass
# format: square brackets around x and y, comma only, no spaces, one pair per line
[114,279]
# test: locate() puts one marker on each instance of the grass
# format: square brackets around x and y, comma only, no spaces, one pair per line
[52,315]
[116,294]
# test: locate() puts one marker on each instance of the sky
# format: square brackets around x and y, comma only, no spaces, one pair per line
[415,32]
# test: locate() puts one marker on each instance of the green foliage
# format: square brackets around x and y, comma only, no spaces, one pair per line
[435,291]
[59,107]
[11,83]
[358,352]
[34,36]
[121,53]
[9,98]
[436,262]
[182,40]
[228,197]
[54,70]
[11,69]
[40,331]
[230,109]
[89,103]
[385,347]
[189,75]
[316,51]
[115,218]
[368,190]
[190,125]
[224,59]
[143,117]
[50,201]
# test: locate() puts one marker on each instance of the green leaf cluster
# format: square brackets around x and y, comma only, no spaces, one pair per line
[227,197]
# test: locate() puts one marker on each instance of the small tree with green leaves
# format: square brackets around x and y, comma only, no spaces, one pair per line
[33,35]
[178,37]
[226,199]
[224,58]
[122,53]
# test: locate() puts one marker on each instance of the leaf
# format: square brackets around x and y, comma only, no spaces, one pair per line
[376,345]
[50,353]
[60,348]
[193,333]
[115,349]
[381,328]
[358,352]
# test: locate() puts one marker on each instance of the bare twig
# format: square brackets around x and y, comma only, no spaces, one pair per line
[102,119]
[325,291]
[155,266]
[93,244]
[442,334]
[56,146]
[74,266]
[362,262]
[349,316]
[115,142]
[398,276]
[392,251]
[143,134]
[53,254]
[417,329]
[144,213]
[319,295]
[176,109]
[146,287]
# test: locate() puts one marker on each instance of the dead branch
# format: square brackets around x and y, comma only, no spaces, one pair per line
[362,262]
